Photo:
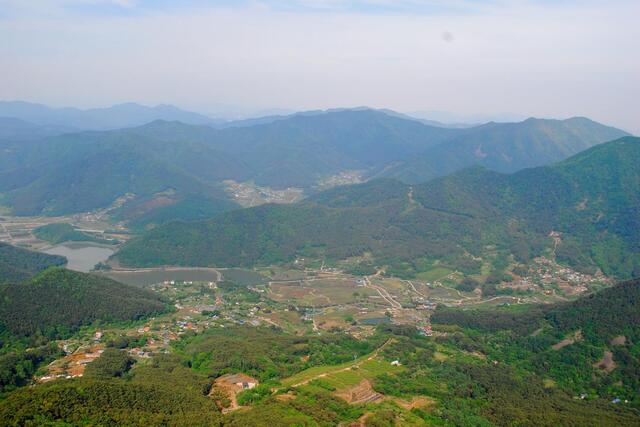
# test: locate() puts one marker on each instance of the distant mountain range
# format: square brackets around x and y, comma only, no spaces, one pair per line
[301,149]
[13,129]
[506,147]
[82,171]
[592,200]
[115,117]
[467,119]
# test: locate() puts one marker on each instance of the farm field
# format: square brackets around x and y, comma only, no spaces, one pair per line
[437,273]
[319,292]
[346,374]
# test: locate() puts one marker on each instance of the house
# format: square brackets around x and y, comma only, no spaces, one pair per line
[425,330]
[139,352]
[238,382]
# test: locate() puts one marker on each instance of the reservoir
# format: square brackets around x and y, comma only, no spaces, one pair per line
[159,275]
[82,256]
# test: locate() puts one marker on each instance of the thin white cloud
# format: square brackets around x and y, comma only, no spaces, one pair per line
[523,57]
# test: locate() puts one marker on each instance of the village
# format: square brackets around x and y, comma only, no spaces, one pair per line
[306,300]
[249,194]
[343,178]
[551,279]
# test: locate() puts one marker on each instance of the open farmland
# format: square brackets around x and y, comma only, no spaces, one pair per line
[319,292]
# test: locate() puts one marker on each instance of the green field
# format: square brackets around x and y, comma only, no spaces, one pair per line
[434,274]
[346,374]
[366,371]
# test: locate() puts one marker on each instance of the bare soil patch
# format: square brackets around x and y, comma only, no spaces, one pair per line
[577,336]
[226,388]
[72,365]
[619,340]
[360,393]
[607,364]
[421,402]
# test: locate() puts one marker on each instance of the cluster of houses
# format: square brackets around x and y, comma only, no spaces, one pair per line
[425,330]
[138,352]
[422,303]
[549,272]
[72,365]
[186,324]
[173,282]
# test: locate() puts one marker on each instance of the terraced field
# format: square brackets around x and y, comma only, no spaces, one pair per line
[346,374]
[368,370]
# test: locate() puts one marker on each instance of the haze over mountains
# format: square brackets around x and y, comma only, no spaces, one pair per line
[43,170]
[506,147]
[115,117]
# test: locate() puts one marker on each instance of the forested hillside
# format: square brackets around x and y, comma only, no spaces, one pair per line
[589,345]
[16,130]
[164,393]
[301,149]
[506,147]
[17,264]
[63,232]
[53,305]
[459,388]
[146,213]
[58,301]
[591,199]
[66,173]
[601,317]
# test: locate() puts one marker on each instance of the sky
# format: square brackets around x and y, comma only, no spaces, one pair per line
[473,58]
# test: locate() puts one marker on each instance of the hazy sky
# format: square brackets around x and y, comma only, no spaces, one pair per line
[541,58]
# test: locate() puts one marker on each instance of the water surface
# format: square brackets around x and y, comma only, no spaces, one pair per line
[150,276]
[82,256]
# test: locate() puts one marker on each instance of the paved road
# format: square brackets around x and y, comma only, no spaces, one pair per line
[383,293]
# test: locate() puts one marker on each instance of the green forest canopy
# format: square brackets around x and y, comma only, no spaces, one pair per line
[17,264]
[58,301]
[592,199]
